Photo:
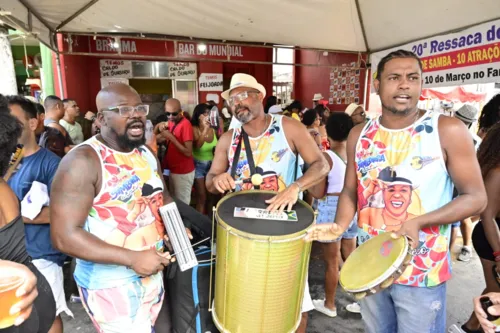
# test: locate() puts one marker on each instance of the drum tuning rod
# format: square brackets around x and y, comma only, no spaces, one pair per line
[256,180]
[189,247]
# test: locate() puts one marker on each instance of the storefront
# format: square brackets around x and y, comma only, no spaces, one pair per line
[158,69]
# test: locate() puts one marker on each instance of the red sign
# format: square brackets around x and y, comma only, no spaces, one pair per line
[162,48]
[220,51]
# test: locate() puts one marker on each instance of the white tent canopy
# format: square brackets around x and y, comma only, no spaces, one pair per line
[344,25]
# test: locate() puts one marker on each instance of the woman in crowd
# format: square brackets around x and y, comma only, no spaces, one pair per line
[490,115]
[312,120]
[37,313]
[204,142]
[338,127]
[271,100]
[486,235]
[323,113]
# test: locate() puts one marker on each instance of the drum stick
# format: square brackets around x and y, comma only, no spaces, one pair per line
[189,247]
[256,180]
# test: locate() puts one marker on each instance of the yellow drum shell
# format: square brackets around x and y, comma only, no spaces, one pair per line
[258,278]
[374,265]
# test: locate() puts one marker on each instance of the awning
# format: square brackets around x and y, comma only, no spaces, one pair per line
[342,25]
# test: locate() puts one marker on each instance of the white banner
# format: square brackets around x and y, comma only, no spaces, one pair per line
[116,68]
[182,70]
[109,82]
[469,56]
[210,82]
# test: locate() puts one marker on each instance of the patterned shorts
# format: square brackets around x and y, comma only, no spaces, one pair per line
[133,307]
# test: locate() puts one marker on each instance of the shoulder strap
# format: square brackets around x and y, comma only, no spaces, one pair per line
[248,151]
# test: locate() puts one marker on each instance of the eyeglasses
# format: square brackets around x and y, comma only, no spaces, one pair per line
[172,114]
[240,97]
[362,114]
[128,111]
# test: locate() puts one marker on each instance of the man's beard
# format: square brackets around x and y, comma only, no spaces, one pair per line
[243,118]
[127,143]
[395,111]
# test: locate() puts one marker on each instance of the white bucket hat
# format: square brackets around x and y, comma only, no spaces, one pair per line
[243,80]
[351,108]
[317,97]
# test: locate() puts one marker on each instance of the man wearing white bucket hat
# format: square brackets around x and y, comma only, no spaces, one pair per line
[316,98]
[267,134]
[356,112]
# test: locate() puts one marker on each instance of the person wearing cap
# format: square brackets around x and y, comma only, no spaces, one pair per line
[276,143]
[357,113]
[316,99]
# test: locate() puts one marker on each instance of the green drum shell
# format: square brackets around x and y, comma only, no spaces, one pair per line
[258,279]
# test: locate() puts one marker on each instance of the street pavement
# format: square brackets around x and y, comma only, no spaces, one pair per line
[466,283]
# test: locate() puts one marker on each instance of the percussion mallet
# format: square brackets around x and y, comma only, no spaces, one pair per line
[256,180]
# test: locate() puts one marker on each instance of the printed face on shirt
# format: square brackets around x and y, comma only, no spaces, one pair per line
[397,198]
[155,202]
[400,85]
[249,108]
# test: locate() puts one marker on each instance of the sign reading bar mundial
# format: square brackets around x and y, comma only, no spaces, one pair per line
[210,82]
[466,57]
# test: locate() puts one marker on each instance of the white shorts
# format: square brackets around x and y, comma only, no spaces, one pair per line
[53,273]
[307,304]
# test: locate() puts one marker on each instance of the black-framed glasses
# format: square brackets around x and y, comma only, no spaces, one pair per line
[128,111]
[241,96]
[362,114]
[172,114]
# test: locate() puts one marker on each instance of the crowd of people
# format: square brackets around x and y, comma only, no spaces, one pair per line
[411,172]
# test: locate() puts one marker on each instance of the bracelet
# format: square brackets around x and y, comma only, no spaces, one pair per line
[497,258]
[298,185]
[496,253]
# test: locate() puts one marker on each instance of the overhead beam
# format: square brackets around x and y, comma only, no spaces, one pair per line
[75,15]
[361,23]
[208,41]
[35,13]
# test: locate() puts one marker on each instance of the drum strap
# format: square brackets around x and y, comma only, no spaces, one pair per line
[248,151]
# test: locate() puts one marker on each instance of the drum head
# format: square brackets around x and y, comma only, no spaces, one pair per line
[256,199]
[372,262]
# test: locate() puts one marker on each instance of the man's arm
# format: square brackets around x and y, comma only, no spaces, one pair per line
[305,146]
[220,162]
[462,165]
[42,218]
[185,148]
[348,198]
[492,183]
[72,196]
[319,190]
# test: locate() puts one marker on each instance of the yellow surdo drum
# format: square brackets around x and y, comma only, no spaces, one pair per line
[262,262]
[375,265]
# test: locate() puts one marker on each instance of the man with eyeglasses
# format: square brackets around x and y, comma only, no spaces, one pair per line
[276,142]
[102,214]
[177,135]
[356,113]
